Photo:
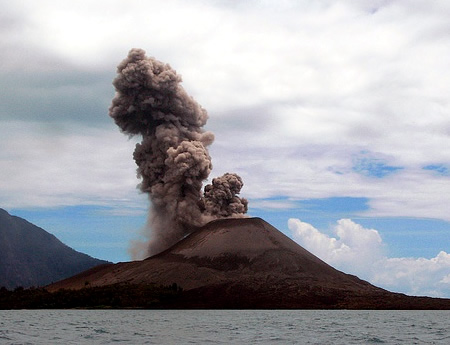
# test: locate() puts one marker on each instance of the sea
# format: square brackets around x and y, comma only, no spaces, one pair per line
[223,327]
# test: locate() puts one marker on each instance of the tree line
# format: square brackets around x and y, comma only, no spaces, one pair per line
[100,297]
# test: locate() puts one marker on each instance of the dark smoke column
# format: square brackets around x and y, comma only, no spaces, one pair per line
[172,159]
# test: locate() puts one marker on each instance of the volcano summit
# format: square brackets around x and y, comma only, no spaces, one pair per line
[247,263]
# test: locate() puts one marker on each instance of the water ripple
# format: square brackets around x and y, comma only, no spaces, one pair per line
[223,327]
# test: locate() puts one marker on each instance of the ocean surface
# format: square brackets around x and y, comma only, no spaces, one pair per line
[223,327]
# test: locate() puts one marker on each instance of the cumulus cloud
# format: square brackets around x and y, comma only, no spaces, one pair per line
[354,249]
[360,251]
[417,276]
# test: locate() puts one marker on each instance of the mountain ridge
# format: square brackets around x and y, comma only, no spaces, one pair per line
[30,256]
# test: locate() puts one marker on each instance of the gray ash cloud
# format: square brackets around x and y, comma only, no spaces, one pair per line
[172,158]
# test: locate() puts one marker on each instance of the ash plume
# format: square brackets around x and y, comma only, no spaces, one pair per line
[172,158]
[221,198]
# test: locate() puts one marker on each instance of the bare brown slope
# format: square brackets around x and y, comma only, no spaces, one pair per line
[243,263]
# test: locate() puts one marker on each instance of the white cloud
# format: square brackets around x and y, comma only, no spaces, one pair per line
[273,204]
[420,276]
[295,90]
[354,250]
[47,166]
[359,251]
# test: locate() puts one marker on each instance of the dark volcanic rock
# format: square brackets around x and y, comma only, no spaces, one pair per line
[30,256]
[247,263]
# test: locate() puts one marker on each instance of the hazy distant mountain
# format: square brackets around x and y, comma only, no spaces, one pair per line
[30,256]
[247,263]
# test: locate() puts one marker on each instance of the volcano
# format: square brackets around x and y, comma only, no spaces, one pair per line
[247,263]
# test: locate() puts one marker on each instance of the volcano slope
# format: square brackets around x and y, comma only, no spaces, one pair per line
[247,263]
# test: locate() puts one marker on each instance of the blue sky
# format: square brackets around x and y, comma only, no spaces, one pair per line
[335,113]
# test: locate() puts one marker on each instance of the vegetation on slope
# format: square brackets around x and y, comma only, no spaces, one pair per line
[110,296]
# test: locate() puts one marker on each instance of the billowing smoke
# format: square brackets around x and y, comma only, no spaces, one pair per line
[221,198]
[172,158]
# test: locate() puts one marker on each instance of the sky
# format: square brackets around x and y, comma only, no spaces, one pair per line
[336,114]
